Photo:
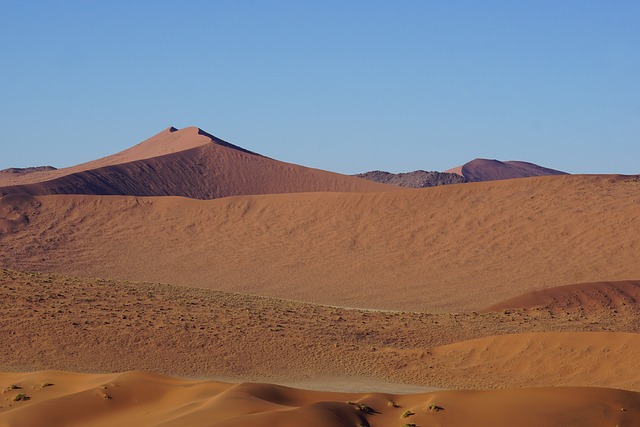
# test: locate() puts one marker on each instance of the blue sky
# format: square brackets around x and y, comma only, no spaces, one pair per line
[347,86]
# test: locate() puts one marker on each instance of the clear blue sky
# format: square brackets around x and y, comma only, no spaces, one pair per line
[347,86]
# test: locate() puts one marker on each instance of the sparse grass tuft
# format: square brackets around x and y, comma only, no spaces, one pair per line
[434,408]
[14,387]
[407,414]
[361,407]
[20,396]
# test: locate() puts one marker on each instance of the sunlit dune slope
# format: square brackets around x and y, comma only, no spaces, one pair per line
[142,399]
[452,248]
[189,163]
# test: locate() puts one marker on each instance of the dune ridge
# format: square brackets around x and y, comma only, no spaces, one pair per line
[189,163]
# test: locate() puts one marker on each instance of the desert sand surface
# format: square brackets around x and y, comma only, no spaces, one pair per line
[478,170]
[135,398]
[443,249]
[97,325]
[187,162]
[188,281]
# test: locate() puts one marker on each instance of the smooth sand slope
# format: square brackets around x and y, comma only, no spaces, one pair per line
[189,163]
[478,170]
[141,399]
[452,248]
[94,325]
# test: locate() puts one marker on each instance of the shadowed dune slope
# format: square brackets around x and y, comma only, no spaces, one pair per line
[450,248]
[478,170]
[189,163]
[583,296]
[141,399]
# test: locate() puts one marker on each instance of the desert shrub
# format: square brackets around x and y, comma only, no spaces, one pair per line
[361,407]
[20,396]
[434,408]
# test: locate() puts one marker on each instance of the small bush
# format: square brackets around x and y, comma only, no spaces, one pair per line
[20,396]
[409,425]
[361,407]
[407,414]
[434,408]
[14,387]
[392,404]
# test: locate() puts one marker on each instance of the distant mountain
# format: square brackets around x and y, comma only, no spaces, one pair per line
[415,179]
[490,170]
[188,162]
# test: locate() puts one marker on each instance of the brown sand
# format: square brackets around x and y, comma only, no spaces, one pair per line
[136,398]
[94,325]
[189,163]
[443,249]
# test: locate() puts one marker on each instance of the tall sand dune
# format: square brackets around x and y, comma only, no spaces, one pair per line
[189,163]
[451,248]
[141,399]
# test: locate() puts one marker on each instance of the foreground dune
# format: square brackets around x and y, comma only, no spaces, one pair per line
[141,399]
[445,249]
[187,162]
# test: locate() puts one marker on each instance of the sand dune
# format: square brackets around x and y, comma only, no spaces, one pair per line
[478,170]
[189,163]
[451,248]
[583,296]
[539,359]
[142,399]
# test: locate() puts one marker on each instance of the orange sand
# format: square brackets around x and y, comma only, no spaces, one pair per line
[452,248]
[141,399]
